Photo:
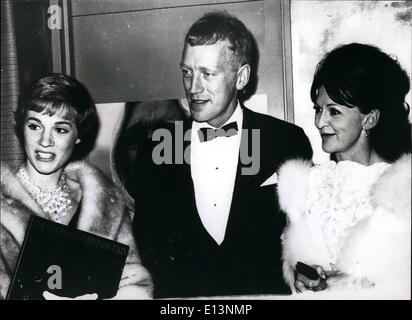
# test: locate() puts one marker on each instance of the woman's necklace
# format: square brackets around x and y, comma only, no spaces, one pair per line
[55,202]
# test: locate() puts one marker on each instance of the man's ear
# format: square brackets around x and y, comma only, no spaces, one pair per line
[371,119]
[243,75]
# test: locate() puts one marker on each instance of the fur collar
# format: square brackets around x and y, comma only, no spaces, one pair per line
[102,204]
[392,191]
[293,187]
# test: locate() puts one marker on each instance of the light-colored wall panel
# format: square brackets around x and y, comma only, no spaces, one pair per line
[89,7]
[135,55]
[131,50]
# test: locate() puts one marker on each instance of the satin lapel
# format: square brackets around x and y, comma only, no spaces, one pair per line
[244,184]
[185,176]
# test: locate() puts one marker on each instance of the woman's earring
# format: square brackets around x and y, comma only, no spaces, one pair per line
[366,131]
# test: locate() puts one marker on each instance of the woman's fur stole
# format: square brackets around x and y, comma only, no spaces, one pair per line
[103,211]
[378,249]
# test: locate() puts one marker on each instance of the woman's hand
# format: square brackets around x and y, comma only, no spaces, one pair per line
[50,296]
[326,279]
[132,292]
[303,283]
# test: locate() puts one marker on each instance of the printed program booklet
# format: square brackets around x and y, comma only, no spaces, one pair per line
[66,262]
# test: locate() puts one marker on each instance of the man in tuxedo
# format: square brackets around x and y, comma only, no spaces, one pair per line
[210,225]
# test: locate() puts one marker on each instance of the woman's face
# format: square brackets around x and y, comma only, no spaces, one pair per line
[340,127]
[48,141]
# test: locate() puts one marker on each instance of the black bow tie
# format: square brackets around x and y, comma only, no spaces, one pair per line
[228,130]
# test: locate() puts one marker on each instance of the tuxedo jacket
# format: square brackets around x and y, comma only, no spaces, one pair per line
[183,258]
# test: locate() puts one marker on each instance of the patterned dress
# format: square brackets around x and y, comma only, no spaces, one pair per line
[339,199]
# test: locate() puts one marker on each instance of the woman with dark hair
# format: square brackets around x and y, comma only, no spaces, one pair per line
[57,123]
[362,76]
[349,220]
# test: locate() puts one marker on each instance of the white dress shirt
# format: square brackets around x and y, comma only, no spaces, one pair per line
[213,169]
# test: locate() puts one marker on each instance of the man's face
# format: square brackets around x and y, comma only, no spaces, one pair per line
[210,81]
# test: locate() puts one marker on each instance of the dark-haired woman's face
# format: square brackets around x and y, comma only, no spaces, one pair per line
[340,127]
[48,141]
